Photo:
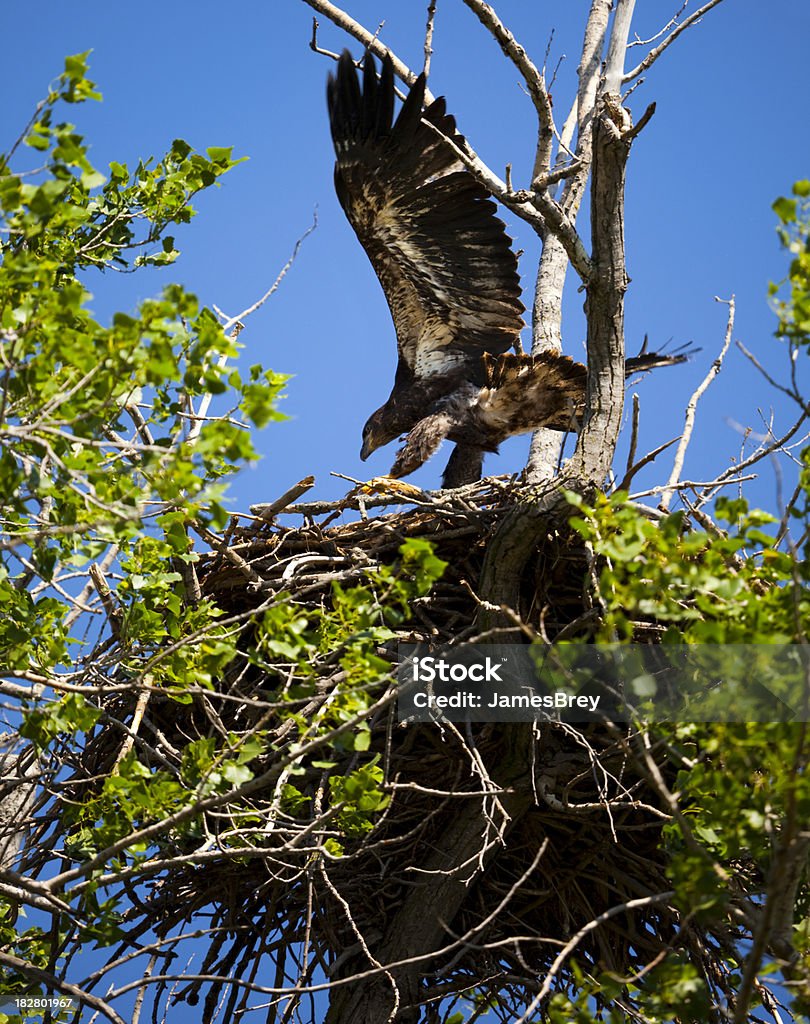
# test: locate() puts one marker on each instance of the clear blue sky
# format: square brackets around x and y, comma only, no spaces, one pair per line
[725,141]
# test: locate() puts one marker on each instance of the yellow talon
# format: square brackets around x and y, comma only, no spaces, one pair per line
[387,485]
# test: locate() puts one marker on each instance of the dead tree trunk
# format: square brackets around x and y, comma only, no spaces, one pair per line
[522,529]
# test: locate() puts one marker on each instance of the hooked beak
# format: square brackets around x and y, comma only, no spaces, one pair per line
[365,451]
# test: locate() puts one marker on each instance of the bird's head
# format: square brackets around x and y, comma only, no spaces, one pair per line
[376,433]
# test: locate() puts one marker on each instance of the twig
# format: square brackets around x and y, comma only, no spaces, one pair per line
[693,485]
[653,55]
[632,470]
[367,39]
[631,455]
[784,523]
[137,718]
[267,512]
[199,417]
[90,586]
[642,122]
[689,420]
[779,387]
[140,424]
[431,17]
[571,945]
[672,21]
[532,76]
[313,42]
[234,320]
[560,172]
[235,325]
[626,95]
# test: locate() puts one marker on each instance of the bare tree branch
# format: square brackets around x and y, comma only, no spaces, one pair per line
[537,208]
[574,941]
[234,320]
[235,325]
[689,420]
[546,447]
[431,17]
[672,21]
[790,392]
[758,456]
[368,39]
[634,467]
[532,76]
[617,47]
[653,55]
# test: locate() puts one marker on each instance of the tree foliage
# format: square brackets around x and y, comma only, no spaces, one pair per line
[105,467]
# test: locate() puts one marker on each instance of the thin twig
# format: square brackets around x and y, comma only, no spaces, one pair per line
[368,40]
[758,456]
[631,455]
[275,285]
[515,52]
[267,512]
[235,325]
[90,586]
[313,42]
[779,387]
[689,419]
[653,55]
[633,469]
[431,17]
[672,21]
[693,485]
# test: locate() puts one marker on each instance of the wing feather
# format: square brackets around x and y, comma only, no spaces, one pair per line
[523,392]
[430,230]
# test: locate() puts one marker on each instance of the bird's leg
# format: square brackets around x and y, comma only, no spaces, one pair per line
[464,466]
[422,442]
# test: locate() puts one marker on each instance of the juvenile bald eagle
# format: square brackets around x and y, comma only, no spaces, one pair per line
[446,266]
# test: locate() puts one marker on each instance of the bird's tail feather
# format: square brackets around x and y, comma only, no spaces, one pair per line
[652,360]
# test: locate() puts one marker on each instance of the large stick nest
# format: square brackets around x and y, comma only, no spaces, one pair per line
[587,840]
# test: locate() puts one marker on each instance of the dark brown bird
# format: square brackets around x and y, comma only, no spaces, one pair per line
[449,274]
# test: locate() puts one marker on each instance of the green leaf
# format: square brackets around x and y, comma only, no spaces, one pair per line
[785,209]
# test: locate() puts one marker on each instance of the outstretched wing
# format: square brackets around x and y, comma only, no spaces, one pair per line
[442,256]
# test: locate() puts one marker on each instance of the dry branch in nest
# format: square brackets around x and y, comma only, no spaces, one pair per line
[514,839]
